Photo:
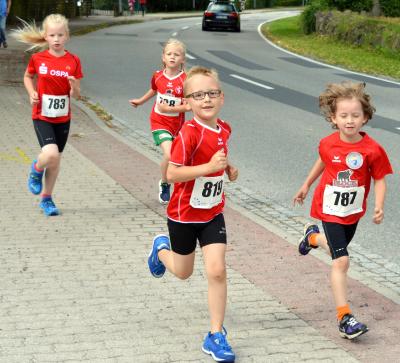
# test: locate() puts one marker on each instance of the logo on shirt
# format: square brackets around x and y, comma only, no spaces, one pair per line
[343,179]
[178,90]
[354,160]
[220,141]
[43,69]
[336,159]
[170,85]
[169,92]
[57,73]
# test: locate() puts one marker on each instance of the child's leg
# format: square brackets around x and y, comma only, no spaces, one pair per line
[214,261]
[179,265]
[166,149]
[339,270]
[49,159]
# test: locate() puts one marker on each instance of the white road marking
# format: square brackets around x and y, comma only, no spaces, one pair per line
[250,81]
[190,56]
[398,128]
[175,34]
[185,27]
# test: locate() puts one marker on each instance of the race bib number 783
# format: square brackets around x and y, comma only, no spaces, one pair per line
[55,106]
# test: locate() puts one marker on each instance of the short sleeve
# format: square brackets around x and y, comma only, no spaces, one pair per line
[31,66]
[182,148]
[78,70]
[380,164]
[153,82]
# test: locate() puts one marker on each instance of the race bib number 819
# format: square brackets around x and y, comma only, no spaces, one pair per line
[207,192]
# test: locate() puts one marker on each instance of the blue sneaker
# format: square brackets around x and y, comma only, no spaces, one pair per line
[35,180]
[164,192]
[217,346]
[49,208]
[304,245]
[160,242]
[350,328]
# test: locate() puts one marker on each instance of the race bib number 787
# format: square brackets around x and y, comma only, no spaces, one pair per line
[343,202]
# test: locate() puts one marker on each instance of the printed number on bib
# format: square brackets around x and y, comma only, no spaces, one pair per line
[169,101]
[343,202]
[207,192]
[55,106]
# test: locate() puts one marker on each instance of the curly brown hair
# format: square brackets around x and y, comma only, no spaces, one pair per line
[336,91]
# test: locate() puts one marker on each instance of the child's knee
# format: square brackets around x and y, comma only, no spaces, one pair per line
[342,263]
[183,275]
[217,272]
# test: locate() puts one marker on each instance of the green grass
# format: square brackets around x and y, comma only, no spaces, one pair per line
[91,28]
[287,34]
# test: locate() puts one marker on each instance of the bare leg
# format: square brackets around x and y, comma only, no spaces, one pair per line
[214,261]
[340,267]
[322,242]
[166,148]
[49,159]
[179,265]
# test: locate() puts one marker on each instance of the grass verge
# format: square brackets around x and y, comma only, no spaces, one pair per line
[287,34]
[91,28]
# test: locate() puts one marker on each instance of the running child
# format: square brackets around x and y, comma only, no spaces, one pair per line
[348,159]
[168,113]
[197,167]
[51,78]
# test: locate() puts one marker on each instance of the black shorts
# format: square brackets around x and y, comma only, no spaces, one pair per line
[184,236]
[49,133]
[339,236]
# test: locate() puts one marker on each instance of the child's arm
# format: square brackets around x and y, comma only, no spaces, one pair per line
[75,87]
[232,172]
[380,191]
[30,88]
[315,172]
[178,174]
[135,102]
[184,107]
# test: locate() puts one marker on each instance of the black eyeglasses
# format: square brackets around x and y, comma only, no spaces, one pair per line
[200,95]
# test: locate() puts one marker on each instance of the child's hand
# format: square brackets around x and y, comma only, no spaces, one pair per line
[300,195]
[34,98]
[218,162]
[135,102]
[232,172]
[378,215]
[187,106]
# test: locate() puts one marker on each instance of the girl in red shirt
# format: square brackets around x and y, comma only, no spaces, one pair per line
[168,113]
[348,160]
[51,78]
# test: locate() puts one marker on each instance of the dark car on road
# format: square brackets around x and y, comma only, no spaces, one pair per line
[221,15]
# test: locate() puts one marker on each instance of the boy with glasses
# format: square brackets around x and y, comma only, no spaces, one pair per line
[197,167]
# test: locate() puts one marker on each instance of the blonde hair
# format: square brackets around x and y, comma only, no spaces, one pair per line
[200,70]
[345,90]
[177,43]
[31,34]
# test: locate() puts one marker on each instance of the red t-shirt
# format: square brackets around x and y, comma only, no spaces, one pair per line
[170,92]
[195,145]
[341,195]
[52,73]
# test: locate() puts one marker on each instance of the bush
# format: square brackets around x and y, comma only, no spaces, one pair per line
[359,30]
[358,5]
[307,18]
[390,7]
[288,2]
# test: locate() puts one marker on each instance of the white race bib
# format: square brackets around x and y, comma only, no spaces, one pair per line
[207,192]
[55,106]
[169,101]
[343,202]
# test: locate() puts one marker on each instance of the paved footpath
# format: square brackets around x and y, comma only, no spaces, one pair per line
[76,288]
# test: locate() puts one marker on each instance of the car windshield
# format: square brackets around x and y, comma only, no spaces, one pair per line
[221,8]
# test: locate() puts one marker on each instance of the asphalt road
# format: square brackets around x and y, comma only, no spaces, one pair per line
[270,101]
